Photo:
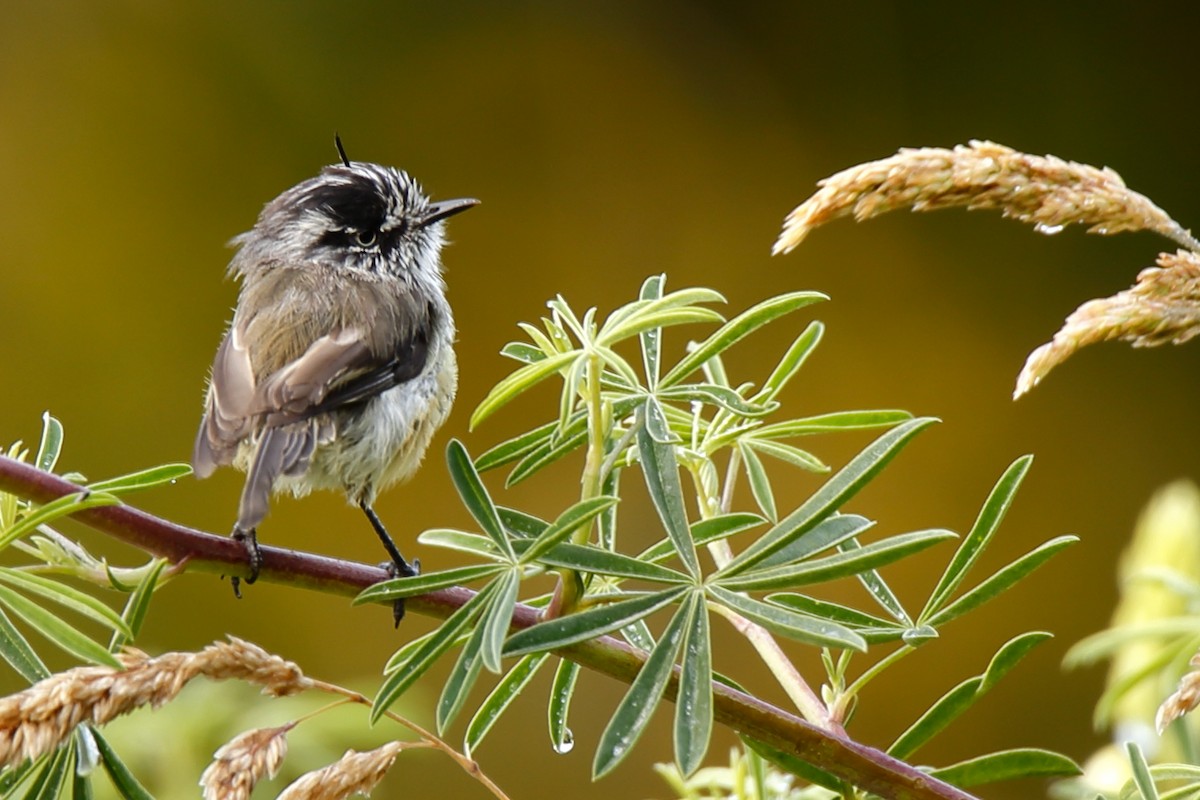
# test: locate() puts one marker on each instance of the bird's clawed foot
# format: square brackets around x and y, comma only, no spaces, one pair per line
[403,569]
[254,554]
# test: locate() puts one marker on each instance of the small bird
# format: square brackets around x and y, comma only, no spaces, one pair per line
[338,365]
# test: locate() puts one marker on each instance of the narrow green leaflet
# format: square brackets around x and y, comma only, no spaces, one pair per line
[705,531]
[49,782]
[518,382]
[954,702]
[676,308]
[122,778]
[497,619]
[462,677]
[405,672]
[841,565]
[523,352]
[544,455]
[511,450]
[760,482]
[792,360]
[51,443]
[738,328]
[662,479]
[819,632]
[1007,765]
[475,495]
[60,507]
[450,539]
[656,422]
[718,397]
[831,532]
[873,629]
[65,596]
[16,651]
[137,606]
[834,422]
[832,494]
[521,525]
[559,707]
[57,632]
[585,558]
[583,625]
[985,526]
[786,453]
[499,699]
[396,588]
[643,697]
[651,338]
[790,763]
[1141,772]
[143,479]
[1002,580]
[567,523]
[694,705]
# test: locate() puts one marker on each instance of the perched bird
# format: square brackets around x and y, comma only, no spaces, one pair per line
[338,365]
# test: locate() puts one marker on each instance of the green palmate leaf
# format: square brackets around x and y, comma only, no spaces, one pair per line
[718,396]
[1002,580]
[662,479]
[583,625]
[397,588]
[405,672]
[513,449]
[559,707]
[519,381]
[832,423]
[66,597]
[651,338]
[738,328]
[1007,765]
[644,695]
[499,699]
[585,558]
[143,479]
[475,495]
[694,705]
[841,565]
[832,495]
[137,606]
[544,455]
[497,619]
[792,361]
[952,704]
[656,422]
[57,632]
[567,523]
[786,452]
[51,511]
[16,651]
[791,764]
[831,532]
[820,632]
[122,778]
[760,482]
[705,531]
[873,629]
[985,526]
[1142,778]
[617,366]
[51,443]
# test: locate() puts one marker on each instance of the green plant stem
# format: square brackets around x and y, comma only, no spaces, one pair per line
[865,767]
[839,706]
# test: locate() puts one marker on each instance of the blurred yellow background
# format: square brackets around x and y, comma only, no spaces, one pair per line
[608,142]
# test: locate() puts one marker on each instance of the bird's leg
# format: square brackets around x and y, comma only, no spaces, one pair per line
[250,541]
[398,567]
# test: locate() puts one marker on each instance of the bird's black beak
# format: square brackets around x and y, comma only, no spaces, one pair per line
[446,208]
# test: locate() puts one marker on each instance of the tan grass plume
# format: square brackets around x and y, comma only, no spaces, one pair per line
[1185,698]
[38,719]
[1044,190]
[354,773]
[242,762]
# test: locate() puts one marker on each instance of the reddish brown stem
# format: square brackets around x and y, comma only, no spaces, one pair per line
[865,767]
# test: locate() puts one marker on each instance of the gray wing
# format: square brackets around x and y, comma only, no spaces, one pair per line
[280,411]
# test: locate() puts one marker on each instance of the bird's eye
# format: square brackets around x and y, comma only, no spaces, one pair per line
[364,238]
